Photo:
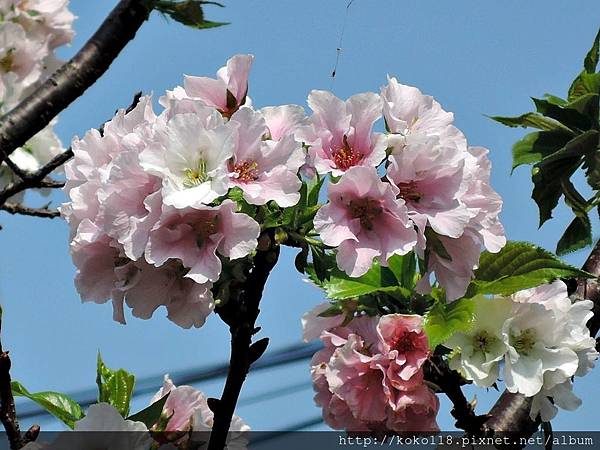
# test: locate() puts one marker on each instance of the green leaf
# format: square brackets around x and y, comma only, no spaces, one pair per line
[569,117]
[340,286]
[537,145]
[577,235]
[587,104]
[404,269]
[591,59]
[150,415]
[443,320]
[578,146]
[532,120]
[115,387]
[555,100]
[59,405]
[518,266]
[188,12]
[585,83]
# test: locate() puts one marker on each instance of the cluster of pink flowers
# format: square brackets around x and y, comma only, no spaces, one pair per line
[435,197]
[369,376]
[30,32]
[149,220]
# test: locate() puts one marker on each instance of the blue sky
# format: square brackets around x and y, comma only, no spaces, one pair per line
[475,57]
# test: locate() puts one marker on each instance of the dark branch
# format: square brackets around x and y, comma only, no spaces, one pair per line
[510,414]
[16,209]
[8,414]
[449,382]
[73,78]
[241,317]
[37,179]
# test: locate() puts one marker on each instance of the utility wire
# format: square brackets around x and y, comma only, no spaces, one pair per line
[287,355]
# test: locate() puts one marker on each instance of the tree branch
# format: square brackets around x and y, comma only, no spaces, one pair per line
[73,78]
[510,414]
[450,382]
[16,209]
[8,414]
[241,317]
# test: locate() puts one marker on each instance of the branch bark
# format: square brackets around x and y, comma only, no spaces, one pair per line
[510,414]
[73,78]
[8,414]
[241,317]
[16,209]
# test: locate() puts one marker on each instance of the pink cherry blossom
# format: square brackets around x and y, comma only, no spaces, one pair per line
[265,170]
[369,376]
[187,410]
[284,120]
[365,221]
[194,236]
[341,133]
[226,93]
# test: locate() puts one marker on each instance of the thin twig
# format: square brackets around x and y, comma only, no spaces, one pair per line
[70,81]
[8,414]
[16,209]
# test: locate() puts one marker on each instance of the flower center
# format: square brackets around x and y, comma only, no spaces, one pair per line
[346,157]
[408,191]
[246,171]
[524,342]
[196,175]
[366,210]
[405,342]
[483,340]
[7,61]
[205,229]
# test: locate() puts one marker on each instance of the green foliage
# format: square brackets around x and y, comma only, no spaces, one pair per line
[151,414]
[445,319]
[59,405]
[187,12]
[115,387]
[518,266]
[569,139]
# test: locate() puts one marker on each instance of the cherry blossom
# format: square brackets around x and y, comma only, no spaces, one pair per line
[365,221]
[341,133]
[369,375]
[265,170]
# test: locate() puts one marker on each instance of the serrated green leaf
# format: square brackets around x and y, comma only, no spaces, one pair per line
[532,120]
[555,100]
[443,320]
[59,405]
[378,279]
[518,266]
[577,236]
[150,415]
[115,387]
[314,189]
[404,269]
[537,145]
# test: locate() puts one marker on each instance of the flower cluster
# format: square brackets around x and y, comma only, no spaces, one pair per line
[435,197]
[369,376]
[30,32]
[150,217]
[539,335]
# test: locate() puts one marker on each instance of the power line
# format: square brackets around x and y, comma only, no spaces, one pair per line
[146,385]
